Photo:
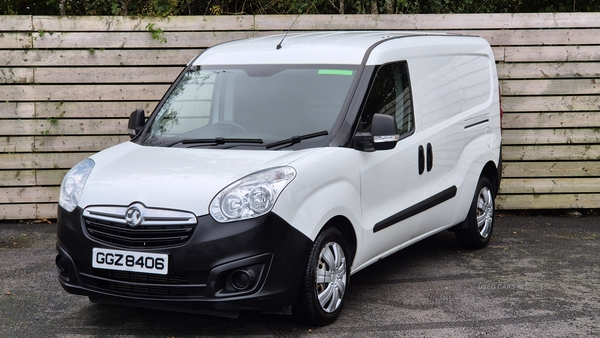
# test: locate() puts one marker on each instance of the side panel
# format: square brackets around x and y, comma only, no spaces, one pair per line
[482,129]
[467,85]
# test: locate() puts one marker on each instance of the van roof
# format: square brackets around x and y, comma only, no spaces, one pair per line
[337,47]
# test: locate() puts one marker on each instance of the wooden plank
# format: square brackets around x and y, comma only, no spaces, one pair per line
[551,169]
[84,75]
[322,22]
[16,75]
[111,39]
[97,57]
[19,144]
[50,177]
[28,211]
[120,23]
[93,110]
[77,143]
[548,70]
[12,23]
[550,103]
[45,127]
[548,201]
[510,20]
[550,136]
[46,210]
[18,211]
[16,110]
[427,21]
[17,178]
[82,92]
[549,185]
[550,120]
[552,54]
[12,144]
[551,153]
[536,37]
[498,53]
[28,195]
[550,87]
[41,160]
[30,177]
[16,40]
[281,23]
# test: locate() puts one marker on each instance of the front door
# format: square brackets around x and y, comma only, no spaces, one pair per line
[390,179]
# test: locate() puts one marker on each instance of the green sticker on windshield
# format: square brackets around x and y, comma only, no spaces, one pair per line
[335,72]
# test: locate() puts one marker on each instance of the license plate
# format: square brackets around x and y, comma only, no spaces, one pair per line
[130,261]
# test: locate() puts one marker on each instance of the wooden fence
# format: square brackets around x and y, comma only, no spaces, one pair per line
[67,86]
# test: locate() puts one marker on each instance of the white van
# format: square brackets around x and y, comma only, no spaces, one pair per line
[276,167]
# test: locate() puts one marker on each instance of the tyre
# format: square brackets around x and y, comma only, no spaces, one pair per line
[480,219]
[325,280]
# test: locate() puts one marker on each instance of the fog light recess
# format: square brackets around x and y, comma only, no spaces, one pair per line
[61,265]
[242,279]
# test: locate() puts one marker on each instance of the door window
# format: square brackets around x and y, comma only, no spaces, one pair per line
[390,94]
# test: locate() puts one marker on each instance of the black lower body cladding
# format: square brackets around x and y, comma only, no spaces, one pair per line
[254,264]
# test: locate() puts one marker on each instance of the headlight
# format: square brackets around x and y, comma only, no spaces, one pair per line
[252,196]
[72,185]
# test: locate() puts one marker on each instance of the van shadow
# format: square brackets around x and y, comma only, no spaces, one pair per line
[403,263]
[113,320]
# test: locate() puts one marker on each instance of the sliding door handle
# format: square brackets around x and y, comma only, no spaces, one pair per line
[429,157]
[421,160]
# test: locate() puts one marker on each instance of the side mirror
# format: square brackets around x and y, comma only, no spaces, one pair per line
[383,135]
[137,119]
[385,132]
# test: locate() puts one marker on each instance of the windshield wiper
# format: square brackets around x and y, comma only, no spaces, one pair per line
[217,141]
[296,139]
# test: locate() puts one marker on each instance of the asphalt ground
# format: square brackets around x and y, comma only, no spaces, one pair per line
[539,277]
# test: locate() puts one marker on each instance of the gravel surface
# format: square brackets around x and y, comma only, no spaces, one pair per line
[539,277]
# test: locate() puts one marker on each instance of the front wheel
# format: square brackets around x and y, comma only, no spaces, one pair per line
[480,220]
[325,280]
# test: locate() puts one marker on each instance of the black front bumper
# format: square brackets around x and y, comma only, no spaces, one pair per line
[268,254]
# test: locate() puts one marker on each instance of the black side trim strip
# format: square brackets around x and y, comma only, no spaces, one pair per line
[429,203]
[477,123]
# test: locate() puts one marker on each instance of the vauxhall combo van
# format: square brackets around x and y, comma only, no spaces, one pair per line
[274,168]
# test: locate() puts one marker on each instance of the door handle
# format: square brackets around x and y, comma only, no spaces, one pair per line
[429,157]
[421,160]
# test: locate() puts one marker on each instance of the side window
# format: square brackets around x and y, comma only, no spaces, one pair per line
[390,94]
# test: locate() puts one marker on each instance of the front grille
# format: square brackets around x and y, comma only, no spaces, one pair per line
[157,228]
[143,284]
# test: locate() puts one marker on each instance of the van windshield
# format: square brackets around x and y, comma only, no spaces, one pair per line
[252,103]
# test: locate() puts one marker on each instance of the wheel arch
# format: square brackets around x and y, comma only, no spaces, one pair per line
[344,226]
[492,173]
[314,304]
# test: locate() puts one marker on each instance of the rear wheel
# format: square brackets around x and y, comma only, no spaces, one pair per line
[325,280]
[480,220]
